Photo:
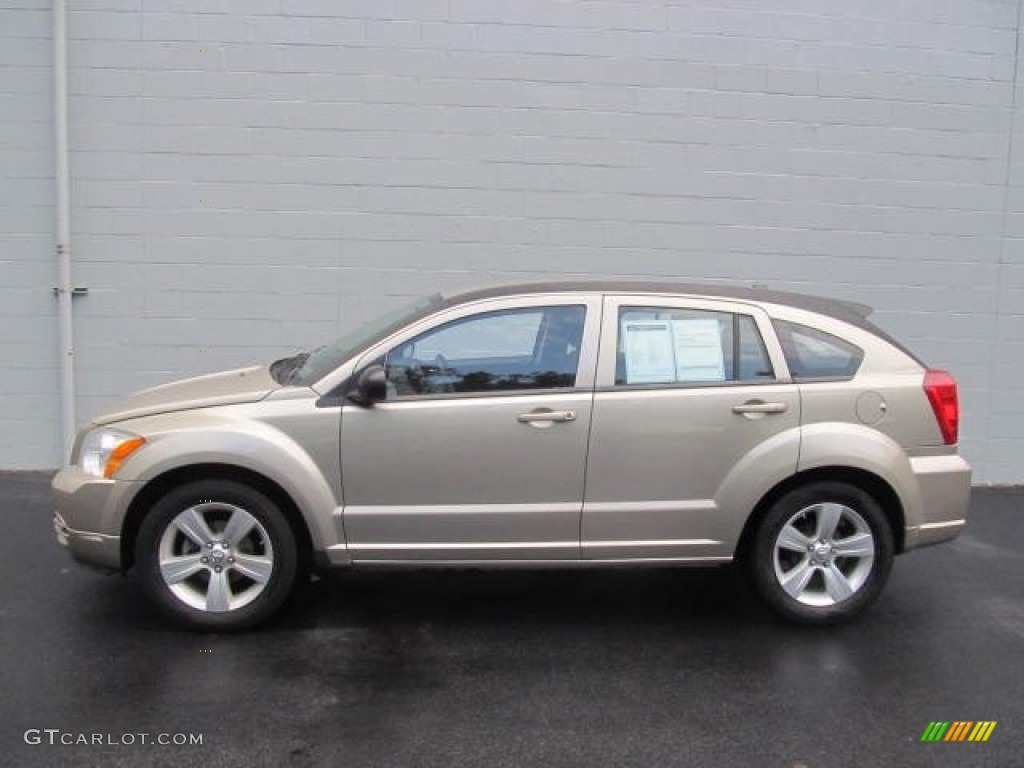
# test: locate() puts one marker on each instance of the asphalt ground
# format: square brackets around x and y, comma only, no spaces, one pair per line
[649,667]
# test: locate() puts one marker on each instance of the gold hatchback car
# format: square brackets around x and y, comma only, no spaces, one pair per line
[554,424]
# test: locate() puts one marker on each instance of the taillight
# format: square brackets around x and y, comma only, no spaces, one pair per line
[940,387]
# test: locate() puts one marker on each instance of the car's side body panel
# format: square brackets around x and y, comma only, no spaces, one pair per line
[290,441]
[463,476]
[661,461]
[881,422]
[662,457]
[463,479]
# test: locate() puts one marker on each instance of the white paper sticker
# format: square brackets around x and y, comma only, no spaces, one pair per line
[698,349]
[648,348]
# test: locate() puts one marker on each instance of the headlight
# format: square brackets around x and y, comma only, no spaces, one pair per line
[103,450]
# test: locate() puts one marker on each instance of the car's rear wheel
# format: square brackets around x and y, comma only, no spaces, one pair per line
[216,555]
[822,553]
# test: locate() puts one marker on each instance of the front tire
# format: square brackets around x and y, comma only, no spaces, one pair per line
[216,555]
[822,553]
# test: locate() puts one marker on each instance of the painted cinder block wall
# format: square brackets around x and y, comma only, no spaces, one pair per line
[252,176]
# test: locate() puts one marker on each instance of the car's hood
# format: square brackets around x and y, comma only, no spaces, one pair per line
[245,385]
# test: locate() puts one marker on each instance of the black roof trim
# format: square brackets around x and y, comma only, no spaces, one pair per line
[847,311]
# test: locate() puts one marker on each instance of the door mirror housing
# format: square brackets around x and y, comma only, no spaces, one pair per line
[371,386]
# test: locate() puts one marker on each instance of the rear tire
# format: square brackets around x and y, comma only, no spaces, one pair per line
[822,553]
[216,555]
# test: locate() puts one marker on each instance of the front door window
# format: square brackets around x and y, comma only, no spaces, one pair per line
[532,348]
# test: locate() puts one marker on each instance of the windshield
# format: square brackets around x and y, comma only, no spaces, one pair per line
[307,367]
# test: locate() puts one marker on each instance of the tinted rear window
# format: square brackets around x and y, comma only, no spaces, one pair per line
[814,354]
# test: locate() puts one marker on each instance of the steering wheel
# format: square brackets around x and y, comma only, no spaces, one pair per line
[415,377]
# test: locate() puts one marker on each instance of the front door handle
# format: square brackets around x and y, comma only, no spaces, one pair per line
[542,417]
[759,407]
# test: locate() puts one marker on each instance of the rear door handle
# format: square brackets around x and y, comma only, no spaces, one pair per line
[541,416]
[759,406]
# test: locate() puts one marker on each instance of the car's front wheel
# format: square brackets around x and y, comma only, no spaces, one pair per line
[216,555]
[822,553]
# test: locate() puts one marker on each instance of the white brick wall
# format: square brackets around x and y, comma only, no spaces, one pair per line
[251,176]
[29,422]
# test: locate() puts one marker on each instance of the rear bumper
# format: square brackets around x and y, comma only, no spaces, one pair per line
[944,484]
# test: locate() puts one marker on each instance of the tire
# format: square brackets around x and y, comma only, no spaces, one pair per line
[822,553]
[216,555]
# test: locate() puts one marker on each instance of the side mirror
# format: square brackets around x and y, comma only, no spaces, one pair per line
[371,386]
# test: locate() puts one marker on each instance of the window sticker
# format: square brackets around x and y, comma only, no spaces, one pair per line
[649,352]
[698,349]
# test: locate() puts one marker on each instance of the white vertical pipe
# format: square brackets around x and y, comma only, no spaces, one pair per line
[62,178]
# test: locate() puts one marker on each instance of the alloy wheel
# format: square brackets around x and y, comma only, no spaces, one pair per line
[215,557]
[823,555]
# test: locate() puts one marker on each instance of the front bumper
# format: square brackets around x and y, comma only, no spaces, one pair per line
[92,549]
[944,484]
[89,516]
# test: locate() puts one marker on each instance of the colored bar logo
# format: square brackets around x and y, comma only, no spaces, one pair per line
[958,730]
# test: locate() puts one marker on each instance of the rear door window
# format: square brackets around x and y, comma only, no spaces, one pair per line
[659,345]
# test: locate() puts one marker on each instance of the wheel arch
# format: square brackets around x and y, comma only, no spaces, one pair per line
[879,489]
[163,483]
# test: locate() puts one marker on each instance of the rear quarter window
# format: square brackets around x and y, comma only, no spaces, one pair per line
[813,354]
